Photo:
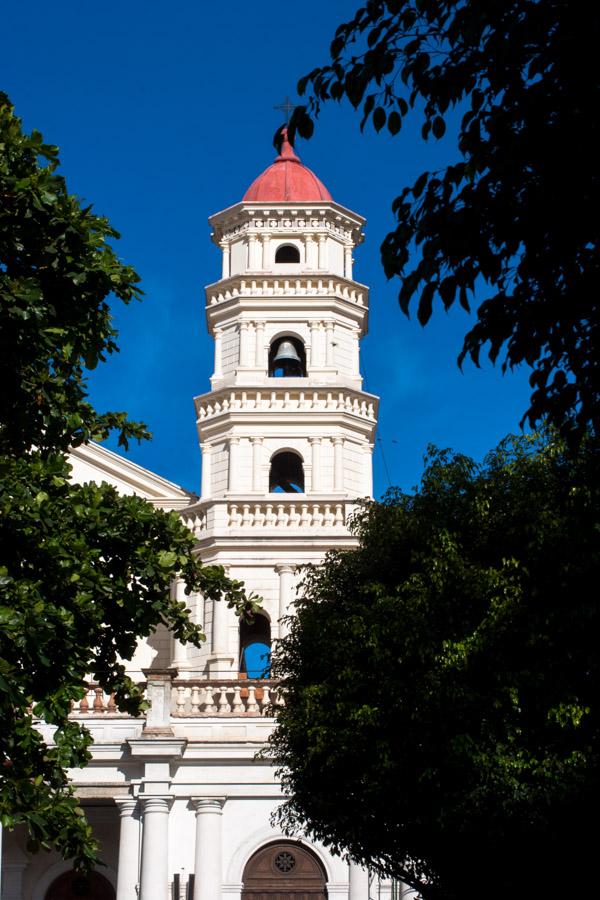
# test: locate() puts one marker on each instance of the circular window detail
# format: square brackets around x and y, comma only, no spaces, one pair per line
[285,861]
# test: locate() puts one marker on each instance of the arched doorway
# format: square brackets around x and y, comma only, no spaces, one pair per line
[73,886]
[284,871]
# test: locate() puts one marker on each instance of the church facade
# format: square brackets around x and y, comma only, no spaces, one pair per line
[178,798]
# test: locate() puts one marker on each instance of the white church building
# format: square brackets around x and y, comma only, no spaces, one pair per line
[178,799]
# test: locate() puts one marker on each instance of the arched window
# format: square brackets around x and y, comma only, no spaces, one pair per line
[287,358]
[255,647]
[287,253]
[287,473]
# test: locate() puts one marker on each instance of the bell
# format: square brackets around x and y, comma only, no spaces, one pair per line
[286,353]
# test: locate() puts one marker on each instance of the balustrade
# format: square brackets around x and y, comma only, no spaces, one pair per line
[225,698]
[291,401]
[282,287]
[286,514]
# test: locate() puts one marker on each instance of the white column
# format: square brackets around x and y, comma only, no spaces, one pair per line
[266,262]
[311,252]
[234,444]
[329,344]
[179,653]
[322,248]
[218,352]
[358,883]
[286,576]
[155,843]
[244,344]
[368,470]
[252,252]
[219,627]
[208,855]
[316,463]
[129,848]
[348,262]
[256,463]
[226,259]
[206,469]
[338,463]
[356,347]
[315,357]
[259,351]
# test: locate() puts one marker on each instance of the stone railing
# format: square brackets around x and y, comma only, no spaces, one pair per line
[195,521]
[281,287]
[289,401]
[241,697]
[95,702]
[287,514]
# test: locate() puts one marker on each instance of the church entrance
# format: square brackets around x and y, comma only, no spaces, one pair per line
[73,886]
[284,871]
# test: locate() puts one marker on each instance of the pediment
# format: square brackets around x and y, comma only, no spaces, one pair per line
[92,462]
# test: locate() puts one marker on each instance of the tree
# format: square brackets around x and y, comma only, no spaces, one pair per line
[442,720]
[514,217]
[84,572]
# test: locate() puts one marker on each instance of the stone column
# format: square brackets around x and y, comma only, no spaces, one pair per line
[219,627]
[316,464]
[311,252]
[329,344]
[348,262]
[358,883]
[234,444]
[322,249]
[206,469]
[368,470]
[158,692]
[129,848]
[315,356]
[155,843]
[286,577]
[259,351]
[218,353]
[226,259]
[244,344]
[266,262]
[208,855]
[338,463]
[179,652]
[256,463]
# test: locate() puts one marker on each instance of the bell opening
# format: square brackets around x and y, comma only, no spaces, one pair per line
[287,358]
[287,474]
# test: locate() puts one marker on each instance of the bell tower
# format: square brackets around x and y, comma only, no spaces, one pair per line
[286,431]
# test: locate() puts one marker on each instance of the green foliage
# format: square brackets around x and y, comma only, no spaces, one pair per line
[84,572]
[515,215]
[442,719]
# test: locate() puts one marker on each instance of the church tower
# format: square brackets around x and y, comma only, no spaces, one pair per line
[286,431]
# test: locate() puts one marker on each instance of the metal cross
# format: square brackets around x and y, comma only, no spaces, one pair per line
[286,107]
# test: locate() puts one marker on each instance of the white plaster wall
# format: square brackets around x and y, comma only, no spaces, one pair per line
[355,460]
[239,256]
[219,468]
[344,352]
[334,256]
[230,353]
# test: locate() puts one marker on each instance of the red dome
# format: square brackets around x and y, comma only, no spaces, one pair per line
[287,179]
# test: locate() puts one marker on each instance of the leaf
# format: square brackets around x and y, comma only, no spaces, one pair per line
[426,303]
[379,117]
[438,127]
[394,122]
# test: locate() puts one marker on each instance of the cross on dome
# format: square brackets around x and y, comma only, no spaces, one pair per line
[287,179]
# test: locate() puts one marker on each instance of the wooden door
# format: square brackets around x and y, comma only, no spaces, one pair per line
[72,886]
[284,871]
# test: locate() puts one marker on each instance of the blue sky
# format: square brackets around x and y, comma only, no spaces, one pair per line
[164,115]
